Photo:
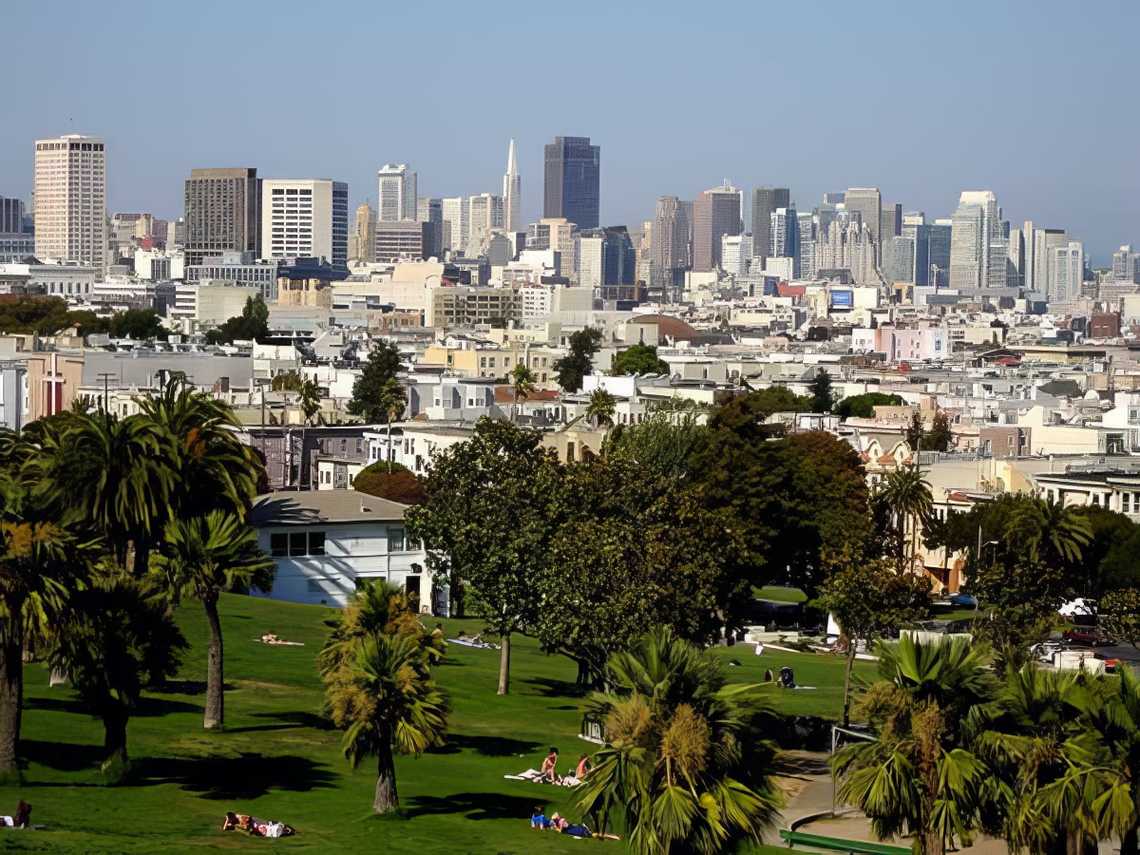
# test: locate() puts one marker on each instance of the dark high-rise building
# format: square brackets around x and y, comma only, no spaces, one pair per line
[573,181]
[890,221]
[672,229]
[716,213]
[765,202]
[11,216]
[223,213]
[938,253]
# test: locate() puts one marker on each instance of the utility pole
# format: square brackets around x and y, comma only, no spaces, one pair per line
[106,376]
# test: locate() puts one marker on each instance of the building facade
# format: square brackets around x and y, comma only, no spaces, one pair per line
[397,193]
[572,187]
[305,217]
[223,213]
[716,213]
[765,200]
[70,185]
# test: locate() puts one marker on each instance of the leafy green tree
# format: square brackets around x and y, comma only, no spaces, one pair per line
[251,325]
[310,399]
[1021,600]
[391,481]
[202,557]
[584,343]
[601,407]
[744,415]
[116,636]
[139,324]
[287,381]
[1119,614]
[664,444]
[43,315]
[939,437]
[822,397]
[487,520]
[635,551]
[917,776]
[376,668]
[376,392]
[863,406]
[522,384]
[1111,558]
[639,359]
[868,600]
[686,765]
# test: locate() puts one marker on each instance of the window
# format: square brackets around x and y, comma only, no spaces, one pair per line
[298,543]
[278,545]
[396,541]
[1126,502]
[316,543]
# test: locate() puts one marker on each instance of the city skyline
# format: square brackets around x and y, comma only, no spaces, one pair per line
[1084,182]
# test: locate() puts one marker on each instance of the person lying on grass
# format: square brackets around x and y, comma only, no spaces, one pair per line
[20,818]
[256,827]
[562,825]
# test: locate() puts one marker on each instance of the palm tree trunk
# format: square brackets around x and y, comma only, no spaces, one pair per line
[847,667]
[932,843]
[386,798]
[389,442]
[214,718]
[504,663]
[1077,843]
[11,701]
[115,720]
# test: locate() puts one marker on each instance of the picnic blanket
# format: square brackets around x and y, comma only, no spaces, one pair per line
[478,645]
[535,777]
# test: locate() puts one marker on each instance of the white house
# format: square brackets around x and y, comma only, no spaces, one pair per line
[324,541]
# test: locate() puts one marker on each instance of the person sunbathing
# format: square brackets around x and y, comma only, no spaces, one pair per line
[20,818]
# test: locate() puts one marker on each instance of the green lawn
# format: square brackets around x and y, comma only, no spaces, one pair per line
[278,759]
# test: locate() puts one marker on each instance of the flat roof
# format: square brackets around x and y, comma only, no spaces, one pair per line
[314,507]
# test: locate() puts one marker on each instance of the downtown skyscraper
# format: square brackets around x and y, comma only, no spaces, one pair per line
[223,213]
[396,193]
[512,193]
[672,230]
[305,217]
[765,201]
[572,181]
[716,213]
[70,185]
[976,225]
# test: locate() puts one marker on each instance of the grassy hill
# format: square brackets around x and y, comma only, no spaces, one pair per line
[278,759]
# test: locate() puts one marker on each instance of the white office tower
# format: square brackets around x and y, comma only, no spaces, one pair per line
[1068,269]
[306,217]
[70,200]
[1126,265]
[455,223]
[512,194]
[590,258]
[397,193]
[484,214]
[975,226]
[735,253]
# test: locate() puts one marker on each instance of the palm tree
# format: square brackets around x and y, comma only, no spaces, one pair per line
[600,409]
[522,383]
[376,667]
[916,777]
[214,470]
[685,761]
[392,399]
[201,557]
[1022,737]
[120,473]
[118,636]
[41,560]
[1101,785]
[1048,532]
[310,395]
[907,493]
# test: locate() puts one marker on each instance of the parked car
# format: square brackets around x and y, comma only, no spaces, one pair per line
[963,601]
[1087,636]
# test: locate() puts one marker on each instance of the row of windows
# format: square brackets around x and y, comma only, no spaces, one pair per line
[298,544]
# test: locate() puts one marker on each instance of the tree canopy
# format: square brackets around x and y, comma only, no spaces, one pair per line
[377,396]
[584,343]
[639,359]
[863,406]
[251,325]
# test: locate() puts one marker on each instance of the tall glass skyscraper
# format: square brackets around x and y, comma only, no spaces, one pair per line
[572,186]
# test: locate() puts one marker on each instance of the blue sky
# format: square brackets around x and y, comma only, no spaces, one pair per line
[1037,101]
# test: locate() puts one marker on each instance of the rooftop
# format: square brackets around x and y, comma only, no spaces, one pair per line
[322,506]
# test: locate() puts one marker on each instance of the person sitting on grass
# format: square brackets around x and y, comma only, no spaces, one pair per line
[583,768]
[20,818]
[550,767]
[538,819]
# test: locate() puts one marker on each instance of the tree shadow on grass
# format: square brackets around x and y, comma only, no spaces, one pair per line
[285,721]
[488,746]
[147,706]
[246,776]
[62,756]
[556,688]
[472,806]
[184,687]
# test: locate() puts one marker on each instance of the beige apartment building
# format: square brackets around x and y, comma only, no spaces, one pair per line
[70,211]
